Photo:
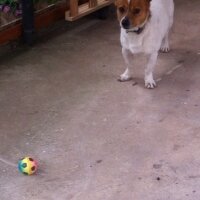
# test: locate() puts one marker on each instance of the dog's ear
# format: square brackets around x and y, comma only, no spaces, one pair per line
[116,2]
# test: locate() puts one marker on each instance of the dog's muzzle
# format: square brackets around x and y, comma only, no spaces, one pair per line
[138,30]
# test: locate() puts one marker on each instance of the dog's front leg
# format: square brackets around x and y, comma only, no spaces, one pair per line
[126,75]
[149,81]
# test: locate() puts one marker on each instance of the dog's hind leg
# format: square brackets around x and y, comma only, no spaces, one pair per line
[126,75]
[149,81]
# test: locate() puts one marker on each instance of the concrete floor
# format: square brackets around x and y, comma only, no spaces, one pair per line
[96,138]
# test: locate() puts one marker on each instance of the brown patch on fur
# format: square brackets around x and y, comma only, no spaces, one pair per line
[137,11]
[122,8]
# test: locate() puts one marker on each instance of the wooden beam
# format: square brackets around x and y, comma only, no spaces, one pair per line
[85,9]
[50,15]
[11,33]
[92,3]
[73,8]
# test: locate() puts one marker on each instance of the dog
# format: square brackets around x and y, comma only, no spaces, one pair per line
[145,27]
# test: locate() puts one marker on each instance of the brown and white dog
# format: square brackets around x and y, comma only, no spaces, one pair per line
[145,25]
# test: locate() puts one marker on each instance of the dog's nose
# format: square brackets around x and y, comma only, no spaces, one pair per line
[126,23]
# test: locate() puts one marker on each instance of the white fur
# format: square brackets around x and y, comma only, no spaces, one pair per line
[153,38]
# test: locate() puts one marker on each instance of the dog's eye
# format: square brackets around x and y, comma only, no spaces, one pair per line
[136,11]
[122,10]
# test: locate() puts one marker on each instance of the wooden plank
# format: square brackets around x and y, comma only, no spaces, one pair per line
[11,33]
[92,3]
[47,17]
[85,9]
[73,8]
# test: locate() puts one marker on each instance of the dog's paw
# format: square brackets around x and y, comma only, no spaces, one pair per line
[165,49]
[124,78]
[150,84]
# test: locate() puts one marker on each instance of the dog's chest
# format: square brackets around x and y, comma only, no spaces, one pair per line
[146,42]
[132,41]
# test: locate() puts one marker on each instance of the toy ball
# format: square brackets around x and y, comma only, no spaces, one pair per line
[27,166]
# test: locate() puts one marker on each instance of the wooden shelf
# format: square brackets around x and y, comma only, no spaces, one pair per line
[85,9]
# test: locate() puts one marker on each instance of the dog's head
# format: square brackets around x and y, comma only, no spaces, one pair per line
[133,14]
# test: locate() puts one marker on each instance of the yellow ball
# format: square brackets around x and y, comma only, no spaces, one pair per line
[27,166]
